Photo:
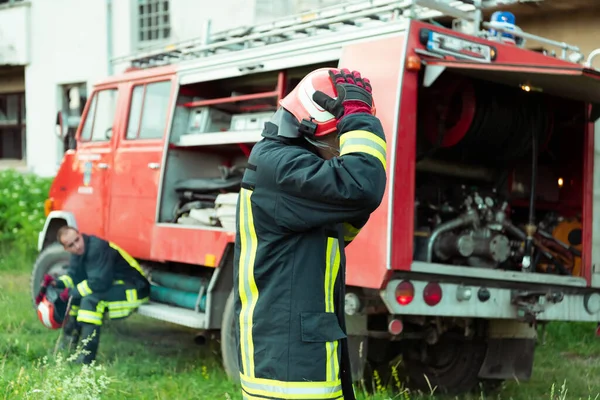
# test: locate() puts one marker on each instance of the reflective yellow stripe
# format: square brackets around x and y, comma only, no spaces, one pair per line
[120,309]
[131,295]
[332,265]
[247,285]
[350,232]
[84,289]
[364,142]
[271,388]
[246,396]
[90,317]
[130,260]
[119,282]
[66,279]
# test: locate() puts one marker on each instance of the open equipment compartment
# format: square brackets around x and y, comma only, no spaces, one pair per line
[215,125]
[480,136]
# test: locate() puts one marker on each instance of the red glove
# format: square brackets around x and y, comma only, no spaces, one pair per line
[353,94]
[64,295]
[48,280]
[39,298]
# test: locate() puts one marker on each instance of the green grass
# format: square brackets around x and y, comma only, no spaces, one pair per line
[148,359]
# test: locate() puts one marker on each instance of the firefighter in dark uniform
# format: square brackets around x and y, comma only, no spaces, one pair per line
[309,187]
[101,278]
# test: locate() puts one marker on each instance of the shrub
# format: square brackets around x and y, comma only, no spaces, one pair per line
[21,212]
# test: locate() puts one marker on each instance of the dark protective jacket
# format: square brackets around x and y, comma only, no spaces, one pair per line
[296,213]
[102,264]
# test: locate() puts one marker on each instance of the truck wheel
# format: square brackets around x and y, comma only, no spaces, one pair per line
[53,260]
[229,345]
[451,366]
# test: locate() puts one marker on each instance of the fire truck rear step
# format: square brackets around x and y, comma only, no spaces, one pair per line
[176,315]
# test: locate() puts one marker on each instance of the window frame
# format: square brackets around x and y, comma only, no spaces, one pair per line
[137,137]
[91,107]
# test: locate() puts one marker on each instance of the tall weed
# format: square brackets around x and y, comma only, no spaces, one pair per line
[57,379]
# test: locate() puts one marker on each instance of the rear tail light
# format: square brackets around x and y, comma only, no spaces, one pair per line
[395,327]
[432,294]
[405,293]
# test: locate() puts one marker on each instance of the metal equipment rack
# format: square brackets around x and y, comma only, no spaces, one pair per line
[350,16]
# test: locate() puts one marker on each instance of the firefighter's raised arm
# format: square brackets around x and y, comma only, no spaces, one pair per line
[316,189]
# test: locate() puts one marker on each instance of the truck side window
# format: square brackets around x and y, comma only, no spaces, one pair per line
[148,111]
[100,117]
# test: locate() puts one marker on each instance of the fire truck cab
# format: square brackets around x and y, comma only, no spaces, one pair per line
[486,225]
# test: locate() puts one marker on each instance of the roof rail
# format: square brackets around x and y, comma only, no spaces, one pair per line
[350,16]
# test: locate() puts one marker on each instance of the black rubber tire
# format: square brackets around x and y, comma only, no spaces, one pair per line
[454,375]
[229,345]
[48,257]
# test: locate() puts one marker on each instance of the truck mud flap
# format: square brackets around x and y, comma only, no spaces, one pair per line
[508,358]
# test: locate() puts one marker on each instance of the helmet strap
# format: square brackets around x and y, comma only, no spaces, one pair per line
[308,128]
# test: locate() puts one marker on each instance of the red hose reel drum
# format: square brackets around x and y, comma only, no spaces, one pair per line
[456,97]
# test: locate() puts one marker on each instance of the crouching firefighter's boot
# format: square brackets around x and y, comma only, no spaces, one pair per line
[90,339]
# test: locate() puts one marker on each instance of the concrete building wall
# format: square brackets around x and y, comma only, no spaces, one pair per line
[580,28]
[14,34]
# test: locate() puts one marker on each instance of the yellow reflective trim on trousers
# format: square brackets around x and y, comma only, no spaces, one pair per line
[130,260]
[131,295]
[67,280]
[350,232]
[91,317]
[364,142]
[332,264]
[247,285]
[84,289]
[246,396]
[272,388]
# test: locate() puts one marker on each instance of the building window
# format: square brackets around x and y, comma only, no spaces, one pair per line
[12,126]
[9,1]
[154,21]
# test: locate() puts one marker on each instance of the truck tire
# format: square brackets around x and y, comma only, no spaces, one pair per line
[52,260]
[229,345]
[452,367]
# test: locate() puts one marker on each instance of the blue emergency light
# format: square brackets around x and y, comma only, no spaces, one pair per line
[506,20]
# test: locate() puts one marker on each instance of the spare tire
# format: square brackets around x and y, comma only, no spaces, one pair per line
[52,260]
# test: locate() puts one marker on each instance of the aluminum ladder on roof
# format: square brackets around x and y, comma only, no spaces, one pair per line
[351,16]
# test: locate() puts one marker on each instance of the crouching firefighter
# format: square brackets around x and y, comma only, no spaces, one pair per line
[101,278]
[309,187]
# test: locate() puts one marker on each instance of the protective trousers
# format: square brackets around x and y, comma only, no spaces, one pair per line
[87,314]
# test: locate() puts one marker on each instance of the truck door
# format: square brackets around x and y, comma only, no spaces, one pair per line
[94,161]
[138,157]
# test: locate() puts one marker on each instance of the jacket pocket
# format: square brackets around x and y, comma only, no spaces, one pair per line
[320,327]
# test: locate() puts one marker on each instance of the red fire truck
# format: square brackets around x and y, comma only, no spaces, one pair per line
[486,225]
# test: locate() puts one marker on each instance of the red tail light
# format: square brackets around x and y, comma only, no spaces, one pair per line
[405,293]
[432,294]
